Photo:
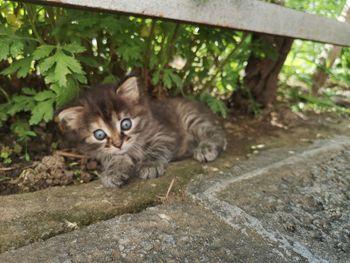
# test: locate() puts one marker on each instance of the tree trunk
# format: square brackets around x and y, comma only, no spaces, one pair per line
[329,55]
[261,74]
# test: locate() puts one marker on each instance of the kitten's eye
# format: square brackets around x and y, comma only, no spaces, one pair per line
[125,124]
[100,134]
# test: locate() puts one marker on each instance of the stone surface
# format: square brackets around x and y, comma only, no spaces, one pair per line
[251,15]
[299,202]
[45,215]
[30,217]
[285,205]
[177,232]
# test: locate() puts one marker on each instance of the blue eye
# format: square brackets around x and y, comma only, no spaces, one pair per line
[100,134]
[125,124]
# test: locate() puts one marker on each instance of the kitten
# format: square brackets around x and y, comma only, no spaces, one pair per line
[132,134]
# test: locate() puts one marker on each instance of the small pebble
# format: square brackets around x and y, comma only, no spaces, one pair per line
[91,165]
[86,177]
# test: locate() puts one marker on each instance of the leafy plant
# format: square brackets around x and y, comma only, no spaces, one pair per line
[303,59]
[214,104]
[340,73]
[55,51]
[47,54]
[301,101]
[5,155]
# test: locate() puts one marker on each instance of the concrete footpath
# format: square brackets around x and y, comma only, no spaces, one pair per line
[283,205]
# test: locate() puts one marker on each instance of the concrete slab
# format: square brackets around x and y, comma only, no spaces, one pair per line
[177,232]
[37,216]
[299,200]
[285,205]
[31,217]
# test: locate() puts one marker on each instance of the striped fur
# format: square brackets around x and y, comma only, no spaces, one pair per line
[162,131]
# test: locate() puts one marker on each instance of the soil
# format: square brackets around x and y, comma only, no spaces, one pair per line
[50,164]
[53,164]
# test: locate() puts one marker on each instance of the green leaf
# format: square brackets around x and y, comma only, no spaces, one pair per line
[167,79]
[176,79]
[25,67]
[74,48]
[62,66]
[50,77]
[4,112]
[21,66]
[16,48]
[22,129]
[43,51]
[156,77]
[47,64]
[130,51]
[14,21]
[110,78]
[20,103]
[214,104]
[89,61]
[81,78]
[43,111]
[4,49]
[29,91]
[65,94]
[61,72]
[44,95]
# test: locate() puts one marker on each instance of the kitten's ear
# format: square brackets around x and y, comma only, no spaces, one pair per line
[129,89]
[69,118]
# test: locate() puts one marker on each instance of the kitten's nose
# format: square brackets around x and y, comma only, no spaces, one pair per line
[117,141]
[118,145]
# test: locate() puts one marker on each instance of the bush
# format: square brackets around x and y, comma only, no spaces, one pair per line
[48,54]
[53,52]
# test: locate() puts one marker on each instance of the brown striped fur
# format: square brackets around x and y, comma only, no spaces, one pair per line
[162,131]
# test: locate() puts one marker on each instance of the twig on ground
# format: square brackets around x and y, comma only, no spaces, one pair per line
[6,169]
[71,155]
[169,189]
[164,198]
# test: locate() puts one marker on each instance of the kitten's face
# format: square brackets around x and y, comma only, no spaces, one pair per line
[115,136]
[105,121]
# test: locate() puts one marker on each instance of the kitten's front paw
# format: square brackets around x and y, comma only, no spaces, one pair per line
[206,152]
[114,180]
[151,170]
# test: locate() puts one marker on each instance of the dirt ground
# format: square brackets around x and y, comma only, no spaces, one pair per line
[53,163]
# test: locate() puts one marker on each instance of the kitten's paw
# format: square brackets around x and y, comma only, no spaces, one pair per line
[206,152]
[114,180]
[151,170]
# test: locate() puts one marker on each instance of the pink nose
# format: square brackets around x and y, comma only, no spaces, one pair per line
[119,145]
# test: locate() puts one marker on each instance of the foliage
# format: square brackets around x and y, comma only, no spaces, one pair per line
[47,54]
[304,56]
[304,59]
[5,155]
[340,73]
[326,8]
[303,102]
[63,49]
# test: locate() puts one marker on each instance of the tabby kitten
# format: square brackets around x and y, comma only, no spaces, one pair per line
[131,134]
